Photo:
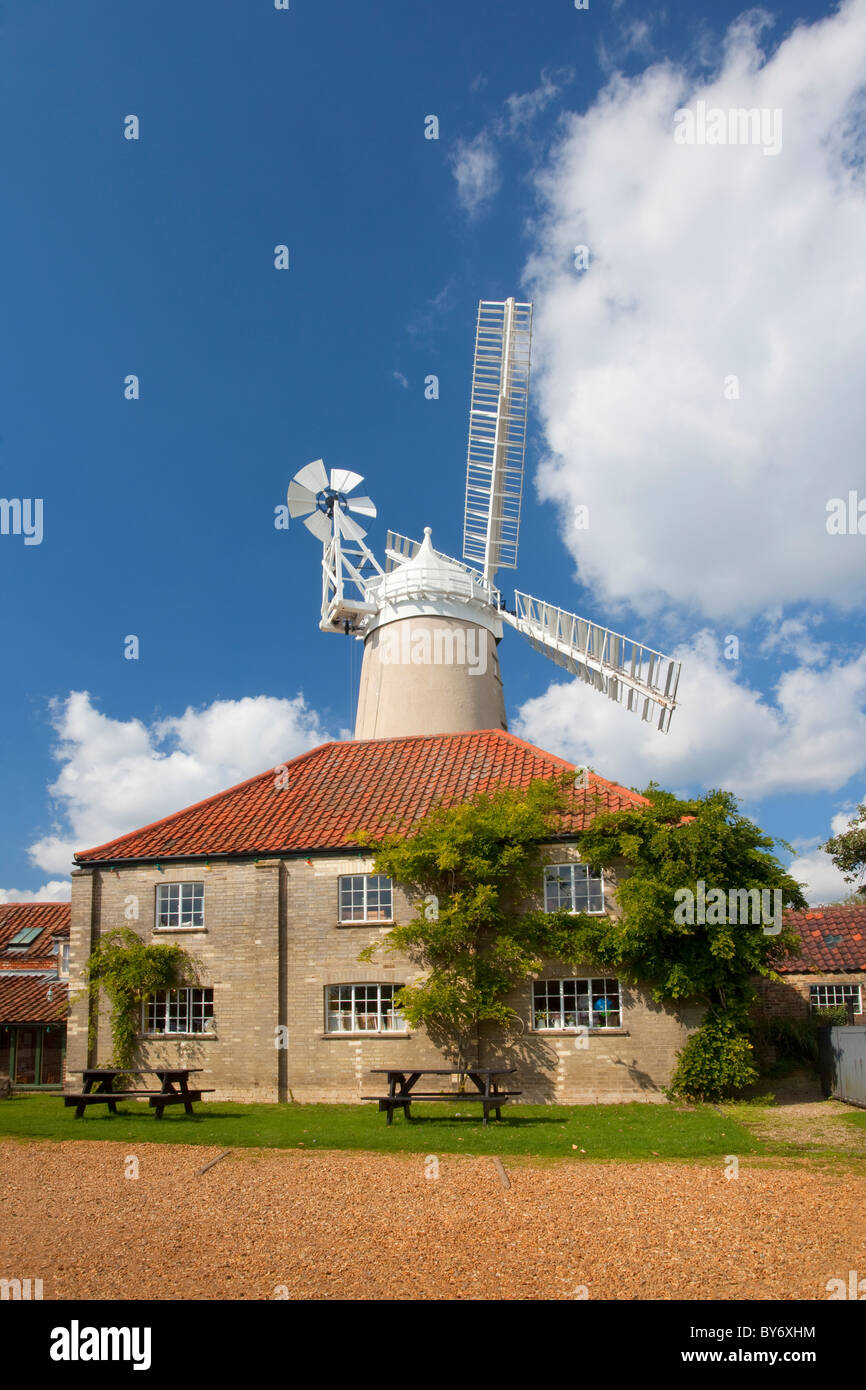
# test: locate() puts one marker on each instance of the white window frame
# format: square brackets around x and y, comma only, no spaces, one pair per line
[366,881]
[365,1014]
[567,1015]
[854,990]
[588,878]
[191,889]
[193,1010]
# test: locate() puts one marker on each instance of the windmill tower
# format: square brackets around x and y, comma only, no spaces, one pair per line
[431,624]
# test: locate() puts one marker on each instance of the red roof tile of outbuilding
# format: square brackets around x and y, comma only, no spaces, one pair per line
[366,785]
[832,939]
[52,919]
[25,999]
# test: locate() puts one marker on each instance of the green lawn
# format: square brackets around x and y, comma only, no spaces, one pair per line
[636,1131]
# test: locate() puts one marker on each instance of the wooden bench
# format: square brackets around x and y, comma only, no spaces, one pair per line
[82,1098]
[401,1090]
[101,1088]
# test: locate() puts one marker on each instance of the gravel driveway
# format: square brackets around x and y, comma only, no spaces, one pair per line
[265,1223]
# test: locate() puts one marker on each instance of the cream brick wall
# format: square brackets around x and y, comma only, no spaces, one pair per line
[270,946]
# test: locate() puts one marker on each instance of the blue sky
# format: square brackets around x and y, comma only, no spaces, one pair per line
[306,127]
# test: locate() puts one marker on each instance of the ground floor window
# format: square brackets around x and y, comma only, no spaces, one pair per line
[362,1009]
[32,1055]
[564,1004]
[179,1011]
[832,996]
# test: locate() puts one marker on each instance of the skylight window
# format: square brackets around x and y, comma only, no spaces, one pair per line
[25,936]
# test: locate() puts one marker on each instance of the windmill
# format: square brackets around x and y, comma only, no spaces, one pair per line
[431,624]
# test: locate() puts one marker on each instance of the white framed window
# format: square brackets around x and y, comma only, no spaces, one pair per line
[64,958]
[562,1005]
[179,1011]
[835,996]
[362,1009]
[366,898]
[179,905]
[572,888]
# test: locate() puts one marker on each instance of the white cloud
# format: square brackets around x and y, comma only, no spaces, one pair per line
[475,166]
[55,891]
[117,775]
[404,382]
[822,881]
[811,737]
[475,163]
[709,262]
[522,108]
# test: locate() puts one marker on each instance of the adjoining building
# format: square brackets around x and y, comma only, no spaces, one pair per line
[830,969]
[34,973]
[265,886]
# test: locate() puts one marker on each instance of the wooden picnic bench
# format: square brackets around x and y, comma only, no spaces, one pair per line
[100,1088]
[402,1082]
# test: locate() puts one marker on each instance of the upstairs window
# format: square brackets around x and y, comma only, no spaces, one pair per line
[179,905]
[366,898]
[572,888]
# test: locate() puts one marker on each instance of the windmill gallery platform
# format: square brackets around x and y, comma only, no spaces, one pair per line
[263,884]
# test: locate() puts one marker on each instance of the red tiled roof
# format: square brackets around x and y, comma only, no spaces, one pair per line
[832,939]
[24,999]
[52,919]
[367,785]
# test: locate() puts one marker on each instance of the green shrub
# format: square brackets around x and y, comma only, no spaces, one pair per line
[715,1062]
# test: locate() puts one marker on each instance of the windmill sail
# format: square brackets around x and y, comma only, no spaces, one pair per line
[637,676]
[497,435]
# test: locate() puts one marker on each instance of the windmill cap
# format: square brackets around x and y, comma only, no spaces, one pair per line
[430,583]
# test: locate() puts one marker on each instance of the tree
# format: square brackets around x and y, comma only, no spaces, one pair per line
[672,846]
[472,868]
[848,852]
[129,971]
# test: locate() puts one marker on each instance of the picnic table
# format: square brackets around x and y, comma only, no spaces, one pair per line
[101,1088]
[402,1082]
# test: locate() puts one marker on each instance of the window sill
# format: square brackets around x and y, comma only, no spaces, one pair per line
[176,931]
[573,1033]
[370,922]
[367,1034]
[179,1037]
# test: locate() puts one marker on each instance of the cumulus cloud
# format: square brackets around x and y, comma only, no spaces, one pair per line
[57,890]
[119,774]
[811,736]
[709,263]
[822,881]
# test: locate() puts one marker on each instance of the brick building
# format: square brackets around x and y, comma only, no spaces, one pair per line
[34,950]
[264,885]
[830,968]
